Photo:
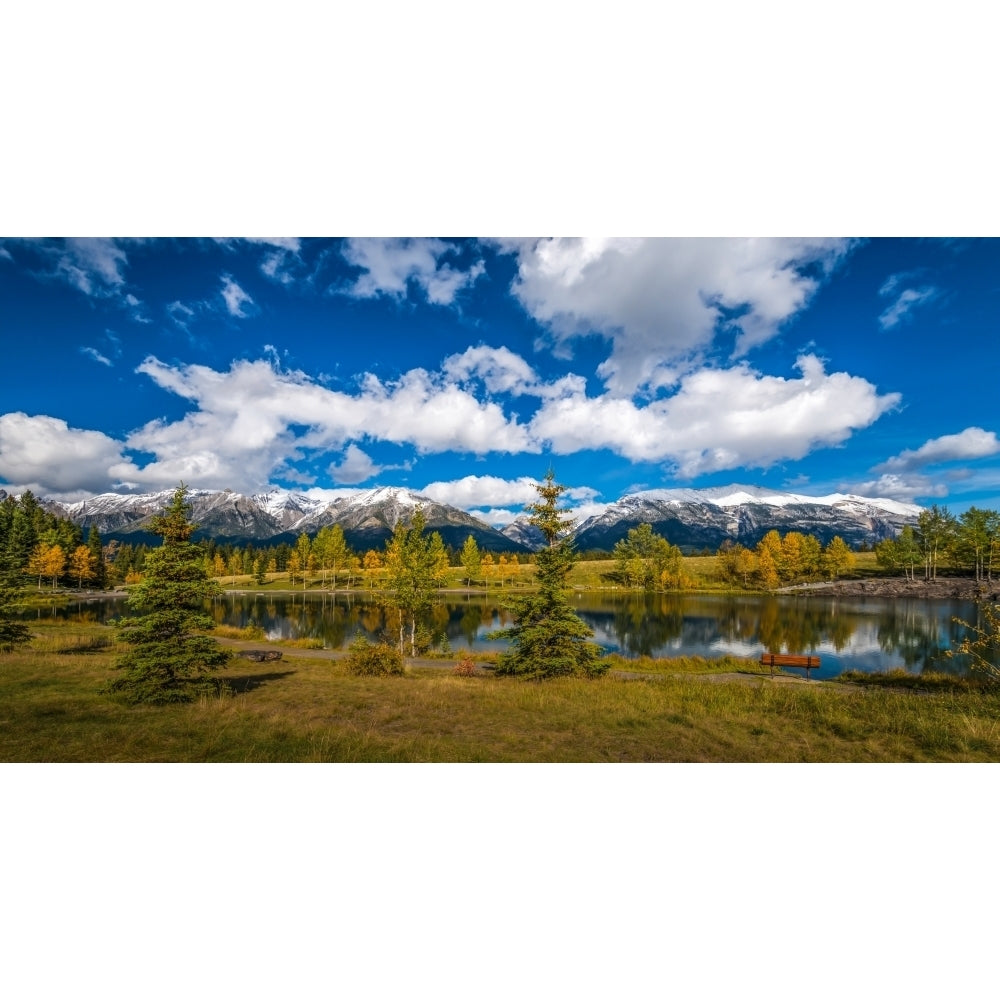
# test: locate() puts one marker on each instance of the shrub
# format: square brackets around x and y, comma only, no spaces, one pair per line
[368,659]
[465,667]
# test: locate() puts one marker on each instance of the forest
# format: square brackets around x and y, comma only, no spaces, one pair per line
[54,552]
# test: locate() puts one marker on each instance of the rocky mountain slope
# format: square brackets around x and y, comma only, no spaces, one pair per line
[367,519]
[692,519]
[704,519]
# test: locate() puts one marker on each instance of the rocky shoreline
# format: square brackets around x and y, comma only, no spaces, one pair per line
[943,588]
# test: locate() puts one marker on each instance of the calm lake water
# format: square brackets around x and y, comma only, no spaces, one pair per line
[870,634]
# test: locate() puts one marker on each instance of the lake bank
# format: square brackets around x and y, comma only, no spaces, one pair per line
[941,589]
[308,708]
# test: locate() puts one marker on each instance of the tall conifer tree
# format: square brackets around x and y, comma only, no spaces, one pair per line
[548,638]
[170,658]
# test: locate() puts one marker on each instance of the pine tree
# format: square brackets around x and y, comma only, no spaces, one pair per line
[548,638]
[100,578]
[13,633]
[169,659]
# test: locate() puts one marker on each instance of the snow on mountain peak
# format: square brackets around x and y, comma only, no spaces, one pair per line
[737,495]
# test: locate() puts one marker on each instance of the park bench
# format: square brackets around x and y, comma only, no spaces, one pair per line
[261,655]
[773,660]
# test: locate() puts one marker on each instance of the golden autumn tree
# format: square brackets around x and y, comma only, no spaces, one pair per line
[82,564]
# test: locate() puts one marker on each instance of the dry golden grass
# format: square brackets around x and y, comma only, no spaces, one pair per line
[311,709]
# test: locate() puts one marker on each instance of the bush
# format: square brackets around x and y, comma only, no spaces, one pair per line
[465,667]
[368,659]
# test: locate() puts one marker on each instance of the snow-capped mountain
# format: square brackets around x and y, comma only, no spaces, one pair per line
[704,519]
[692,519]
[367,518]
[523,532]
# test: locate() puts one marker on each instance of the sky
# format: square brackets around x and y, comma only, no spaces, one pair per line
[466,368]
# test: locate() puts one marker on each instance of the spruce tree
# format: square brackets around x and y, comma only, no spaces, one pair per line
[548,639]
[13,633]
[169,658]
[96,547]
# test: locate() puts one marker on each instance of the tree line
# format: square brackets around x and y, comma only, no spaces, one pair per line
[779,560]
[37,543]
[968,543]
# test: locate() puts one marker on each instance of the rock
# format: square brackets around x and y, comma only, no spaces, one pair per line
[261,655]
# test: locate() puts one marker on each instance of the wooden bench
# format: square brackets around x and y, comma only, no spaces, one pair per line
[773,660]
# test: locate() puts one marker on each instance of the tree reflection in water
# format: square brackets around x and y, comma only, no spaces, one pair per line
[860,633]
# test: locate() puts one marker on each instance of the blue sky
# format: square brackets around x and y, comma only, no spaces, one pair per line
[465,368]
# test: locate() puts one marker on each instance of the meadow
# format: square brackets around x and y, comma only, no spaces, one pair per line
[308,708]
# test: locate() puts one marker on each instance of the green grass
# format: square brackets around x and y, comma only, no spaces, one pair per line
[688,665]
[310,709]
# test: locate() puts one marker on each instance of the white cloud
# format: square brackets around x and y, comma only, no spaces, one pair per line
[95,355]
[500,369]
[235,298]
[660,301]
[355,467]
[905,302]
[719,418]
[94,266]
[180,314]
[972,443]
[388,265]
[905,488]
[476,491]
[498,517]
[46,455]
[249,422]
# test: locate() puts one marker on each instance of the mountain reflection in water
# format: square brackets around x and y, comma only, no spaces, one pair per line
[869,634]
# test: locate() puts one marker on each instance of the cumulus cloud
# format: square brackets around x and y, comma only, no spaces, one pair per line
[47,456]
[500,369]
[235,298]
[719,418]
[903,488]
[661,301]
[357,466]
[904,302]
[477,491]
[256,418]
[389,265]
[972,443]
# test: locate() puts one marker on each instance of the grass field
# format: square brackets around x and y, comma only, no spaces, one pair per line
[310,709]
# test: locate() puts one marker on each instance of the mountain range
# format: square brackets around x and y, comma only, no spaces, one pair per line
[367,519]
[693,519]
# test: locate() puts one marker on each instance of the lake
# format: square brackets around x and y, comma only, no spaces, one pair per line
[869,634]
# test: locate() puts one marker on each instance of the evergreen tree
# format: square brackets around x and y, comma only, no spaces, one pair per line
[13,633]
[96,547]
[548,638]
[169,658]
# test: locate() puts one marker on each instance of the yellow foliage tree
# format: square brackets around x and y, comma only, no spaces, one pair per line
[47,560]
[82,564]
